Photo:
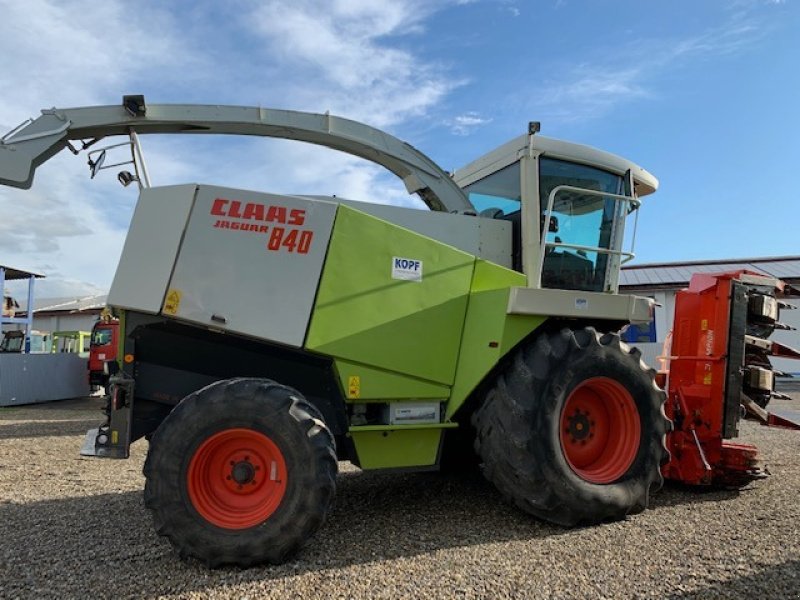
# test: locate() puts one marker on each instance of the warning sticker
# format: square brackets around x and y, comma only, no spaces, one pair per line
[354,386]
[407,269]
[172,303]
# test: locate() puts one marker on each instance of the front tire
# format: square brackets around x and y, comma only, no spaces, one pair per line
[574,430]
[240,472]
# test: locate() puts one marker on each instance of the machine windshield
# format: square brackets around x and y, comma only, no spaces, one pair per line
[580,222]
[12,341]
[101,337]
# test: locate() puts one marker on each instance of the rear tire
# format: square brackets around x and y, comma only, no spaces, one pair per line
[574,430]
[240,472]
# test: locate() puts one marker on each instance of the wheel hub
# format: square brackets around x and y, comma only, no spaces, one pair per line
[237,478]
[600,430]
[243,472]
[580,427]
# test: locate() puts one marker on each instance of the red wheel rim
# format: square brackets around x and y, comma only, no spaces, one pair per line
[237,478]
[600,430]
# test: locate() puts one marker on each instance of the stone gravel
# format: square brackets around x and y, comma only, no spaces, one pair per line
[74,527]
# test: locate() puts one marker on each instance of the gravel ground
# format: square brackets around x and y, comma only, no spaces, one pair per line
[75,527]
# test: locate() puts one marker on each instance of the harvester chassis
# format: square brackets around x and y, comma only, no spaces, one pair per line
[391,332]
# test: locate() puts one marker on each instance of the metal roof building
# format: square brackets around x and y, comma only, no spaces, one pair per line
[662,280]
[677,274]
[8,314]
[69,304]
[67,313]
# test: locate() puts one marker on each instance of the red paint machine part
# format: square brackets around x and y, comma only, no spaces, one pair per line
[237,478]
[600,430]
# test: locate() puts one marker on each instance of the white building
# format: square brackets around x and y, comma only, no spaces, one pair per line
[660,281]
[67,314]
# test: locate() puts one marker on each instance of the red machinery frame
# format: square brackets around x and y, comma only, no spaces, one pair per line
[718,363]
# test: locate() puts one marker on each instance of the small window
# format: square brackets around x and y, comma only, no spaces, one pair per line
[101,337]
[500,190]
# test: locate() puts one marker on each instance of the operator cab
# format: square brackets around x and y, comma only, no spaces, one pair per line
[575,200]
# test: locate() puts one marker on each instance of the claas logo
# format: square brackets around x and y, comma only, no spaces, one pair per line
[254,211]
[283,232]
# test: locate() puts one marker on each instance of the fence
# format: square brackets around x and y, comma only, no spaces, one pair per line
[32,378]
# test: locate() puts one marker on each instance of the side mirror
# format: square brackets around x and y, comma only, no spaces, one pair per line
[553,226]
[97,164]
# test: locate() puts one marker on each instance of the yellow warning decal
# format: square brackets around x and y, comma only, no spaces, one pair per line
[114,436]
[707,379]
[354,386]
[173,302]
[703,324]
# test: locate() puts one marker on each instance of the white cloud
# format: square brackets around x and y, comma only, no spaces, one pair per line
[356,58]
[465,123]
[78,52]
[341,61]
[70,54]
[590,91]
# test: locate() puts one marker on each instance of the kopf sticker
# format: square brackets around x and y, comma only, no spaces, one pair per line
[407,269]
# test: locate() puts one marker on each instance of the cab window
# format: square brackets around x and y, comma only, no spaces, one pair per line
[499,191]
[580,223]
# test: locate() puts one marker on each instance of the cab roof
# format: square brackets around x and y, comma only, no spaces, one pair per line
[644,181]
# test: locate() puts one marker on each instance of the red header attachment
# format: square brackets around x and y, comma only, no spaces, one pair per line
[719,365]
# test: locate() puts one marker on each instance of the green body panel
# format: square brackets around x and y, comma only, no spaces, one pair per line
[363,383]
[489,332]
[391,448]
[362,314]
[392,339]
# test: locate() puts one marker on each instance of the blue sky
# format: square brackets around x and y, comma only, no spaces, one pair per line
[705,95]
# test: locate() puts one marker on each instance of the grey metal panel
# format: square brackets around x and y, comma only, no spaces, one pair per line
[487,238]
[31,378]
[676,274]
[659,276]
[227,277]
[65,322]
[788,269]
[151,247]
[778,270]
[70,303]
[629,277]
[496,241]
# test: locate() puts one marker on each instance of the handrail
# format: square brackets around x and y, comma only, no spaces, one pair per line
[635,203]
[25,123]
[33,136]
[599,249]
